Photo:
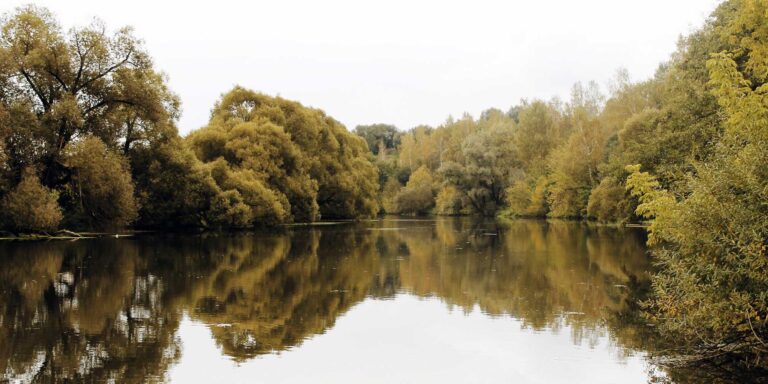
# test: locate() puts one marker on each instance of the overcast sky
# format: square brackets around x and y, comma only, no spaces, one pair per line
[403,62]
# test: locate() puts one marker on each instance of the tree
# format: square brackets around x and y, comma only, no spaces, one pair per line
[101,192]
[265,152]
[247,200]
[379,137]
[449,201]
[527,200]
[536,135]
[174,187]
[575,164]
[297,159]
[481,169]
[608,202]
[388,194]
[59,87]
[710,293]
[30,207]
[417,197]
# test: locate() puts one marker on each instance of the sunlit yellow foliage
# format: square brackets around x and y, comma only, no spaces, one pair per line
[711,291]
[418,195]
[296,160]
[448,201]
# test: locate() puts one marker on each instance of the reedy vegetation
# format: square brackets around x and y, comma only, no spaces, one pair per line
[88,140]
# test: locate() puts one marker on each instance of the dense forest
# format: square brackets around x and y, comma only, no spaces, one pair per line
[554,158]
[88,140]
[686,150]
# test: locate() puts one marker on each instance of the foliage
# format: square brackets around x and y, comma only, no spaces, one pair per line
[537,134]
[297,160]
[175,190]
[57,87]
[100,193]
[448,201]
[381,138]
[574,168]
[483,175]
[711,291]
[417,197]
[608,201]
[527,198]
[469,158]
[31,207]
[388,194]
[88,110]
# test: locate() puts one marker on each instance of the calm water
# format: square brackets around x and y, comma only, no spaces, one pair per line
[392,301]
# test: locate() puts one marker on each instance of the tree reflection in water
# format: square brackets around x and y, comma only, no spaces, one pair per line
[109,310]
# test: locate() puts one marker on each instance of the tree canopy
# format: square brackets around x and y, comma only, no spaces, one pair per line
[290,161]
[711,293]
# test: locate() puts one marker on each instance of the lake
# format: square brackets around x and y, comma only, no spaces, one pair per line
[451,300]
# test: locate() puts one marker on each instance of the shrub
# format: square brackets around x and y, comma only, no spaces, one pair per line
[30,207]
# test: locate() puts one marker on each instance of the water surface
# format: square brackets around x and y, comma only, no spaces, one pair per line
[392,301]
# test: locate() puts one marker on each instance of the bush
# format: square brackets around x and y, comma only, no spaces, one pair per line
[609,202]
[448,201]
[711,293]
[30,207]
[418,196]
[522,200]
[391,188]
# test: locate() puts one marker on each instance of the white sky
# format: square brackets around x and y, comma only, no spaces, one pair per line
[403,62]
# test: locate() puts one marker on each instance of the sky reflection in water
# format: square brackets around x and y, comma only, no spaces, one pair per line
[447,300]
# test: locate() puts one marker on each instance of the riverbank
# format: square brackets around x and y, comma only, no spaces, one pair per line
[65,235]
[70,235]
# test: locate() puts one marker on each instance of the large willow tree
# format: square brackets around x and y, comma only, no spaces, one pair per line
[59,88]
[56,87]
[283,162]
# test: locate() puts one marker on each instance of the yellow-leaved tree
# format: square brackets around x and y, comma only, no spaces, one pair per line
[711,292]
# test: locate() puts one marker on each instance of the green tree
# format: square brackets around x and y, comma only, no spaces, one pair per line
[526,200]
[536,135]
[175,190]
[379,137]
[388,194]
[481,169]
[449,201]
[574,165]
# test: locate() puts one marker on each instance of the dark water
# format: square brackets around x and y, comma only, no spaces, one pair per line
[393,301]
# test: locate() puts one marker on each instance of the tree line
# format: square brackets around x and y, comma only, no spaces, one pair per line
[686,151]
[561,159]
[88,140]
